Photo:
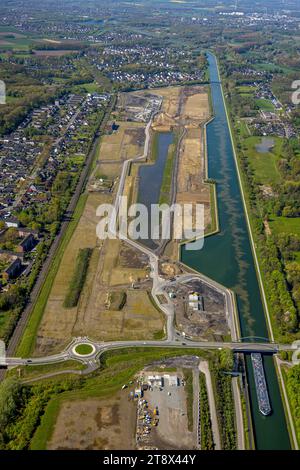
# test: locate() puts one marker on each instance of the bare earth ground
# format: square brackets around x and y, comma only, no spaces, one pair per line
[191,171]
[95,424]
[126,142]
[191,188]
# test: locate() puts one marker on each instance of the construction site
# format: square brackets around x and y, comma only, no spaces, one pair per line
[138,106]
[200,309]
[115,302]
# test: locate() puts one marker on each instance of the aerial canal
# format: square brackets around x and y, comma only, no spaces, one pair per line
[227,258]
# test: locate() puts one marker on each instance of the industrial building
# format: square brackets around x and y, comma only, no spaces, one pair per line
[196,301]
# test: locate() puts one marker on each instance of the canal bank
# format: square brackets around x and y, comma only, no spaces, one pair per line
[227,257]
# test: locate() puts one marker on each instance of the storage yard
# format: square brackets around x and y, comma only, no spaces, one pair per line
[162,421]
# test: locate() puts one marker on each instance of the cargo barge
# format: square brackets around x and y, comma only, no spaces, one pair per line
[260,384]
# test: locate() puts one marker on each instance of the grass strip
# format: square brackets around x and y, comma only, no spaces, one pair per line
[207,440]
[165,189]
[78,278]
[188,377]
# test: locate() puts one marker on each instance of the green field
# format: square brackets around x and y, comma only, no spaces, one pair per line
[267,66]
[10,43]
[188,377]
[245,90]
[92,87]
[78,277]
[35,372]
[263,164]
[265,105]
[285,225]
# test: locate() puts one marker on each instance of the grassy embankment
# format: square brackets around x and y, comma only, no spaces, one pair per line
[222,385]
[225,409]
[35,372]
[213,226]
[247,429]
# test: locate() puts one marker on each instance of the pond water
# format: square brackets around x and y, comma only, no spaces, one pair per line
[265,145]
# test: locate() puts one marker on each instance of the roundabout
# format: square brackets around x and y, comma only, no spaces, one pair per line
[84,350]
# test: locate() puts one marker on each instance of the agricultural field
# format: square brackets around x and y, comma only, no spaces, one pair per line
[246,90]
[14,41]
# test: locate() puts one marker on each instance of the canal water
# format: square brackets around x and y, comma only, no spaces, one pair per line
[151,178]
[227,258]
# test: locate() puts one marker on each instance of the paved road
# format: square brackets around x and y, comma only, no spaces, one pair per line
[101,347]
